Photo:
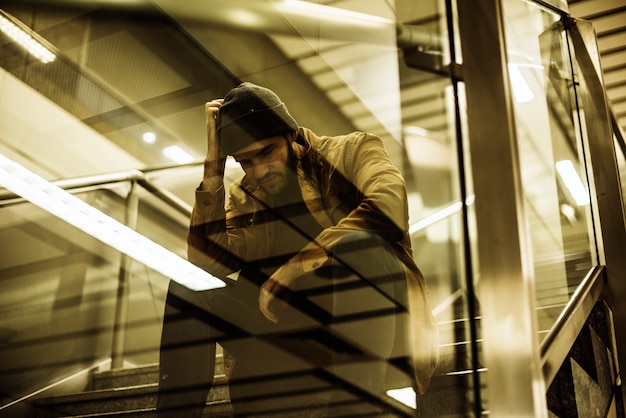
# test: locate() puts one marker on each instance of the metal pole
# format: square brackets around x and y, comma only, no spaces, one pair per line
[505,289]
[123,290]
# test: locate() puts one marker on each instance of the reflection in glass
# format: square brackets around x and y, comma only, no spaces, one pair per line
[125,87]
[551,156]
[59,293]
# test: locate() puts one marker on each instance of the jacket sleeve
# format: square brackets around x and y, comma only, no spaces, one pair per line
[383,206]
[207,239]
[383,209]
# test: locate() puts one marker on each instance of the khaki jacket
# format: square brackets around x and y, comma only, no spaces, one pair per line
[367,192]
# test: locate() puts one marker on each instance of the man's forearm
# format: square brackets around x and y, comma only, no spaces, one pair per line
[213,175]
[207,239]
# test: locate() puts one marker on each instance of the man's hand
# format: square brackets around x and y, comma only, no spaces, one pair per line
[279,283]
[269,290]
[210,112]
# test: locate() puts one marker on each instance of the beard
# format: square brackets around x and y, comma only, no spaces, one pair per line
[282,179]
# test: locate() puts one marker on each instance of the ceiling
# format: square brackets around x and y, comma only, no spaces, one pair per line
[148,66]
[142,66]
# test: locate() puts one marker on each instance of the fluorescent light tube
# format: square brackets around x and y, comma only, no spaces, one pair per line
[404,395]
[20,35]
[435,217]
[521,89]
[76,212]
[177,154]
[572,181]
[327,13]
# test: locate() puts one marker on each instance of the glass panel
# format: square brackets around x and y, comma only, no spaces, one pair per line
[556,193]
[126,91]
[59,294]
[437,232]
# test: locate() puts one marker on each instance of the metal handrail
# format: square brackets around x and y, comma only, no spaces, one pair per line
[99,181]
[556,345]
[617,131]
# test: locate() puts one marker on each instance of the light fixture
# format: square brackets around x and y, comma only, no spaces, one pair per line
[404,395]
[177,154]
[572,181]
[76,212]
[327,13]
[25,37]
[435,217]
[149,137]
[245,17]
[568,211]
[521,89]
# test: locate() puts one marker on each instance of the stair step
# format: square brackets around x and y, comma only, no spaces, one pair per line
[216,409]
[136,376]
[137,399]
[132,392]
[449,396]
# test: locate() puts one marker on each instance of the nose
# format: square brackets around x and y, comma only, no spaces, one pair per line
[260,170]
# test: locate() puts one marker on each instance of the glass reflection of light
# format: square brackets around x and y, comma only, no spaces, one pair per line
[521,89]
[177,154]
[23,38]
[572,181]
[85,217]
[326,13]
[404,395]
[439,215]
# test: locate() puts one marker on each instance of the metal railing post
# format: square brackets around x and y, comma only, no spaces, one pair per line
[123,290]
[515,386]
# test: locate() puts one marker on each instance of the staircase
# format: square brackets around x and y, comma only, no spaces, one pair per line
[133,392]
[451,392]
[128,392]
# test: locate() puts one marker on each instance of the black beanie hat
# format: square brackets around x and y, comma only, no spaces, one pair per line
[250,113]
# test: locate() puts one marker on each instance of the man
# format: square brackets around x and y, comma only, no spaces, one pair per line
[324,305]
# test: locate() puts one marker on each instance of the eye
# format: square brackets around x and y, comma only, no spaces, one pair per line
[267,150]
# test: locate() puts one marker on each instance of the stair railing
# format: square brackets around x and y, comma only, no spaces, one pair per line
[123,287]
[617,131]
[609,211]
[139,178]
[134,177]
[556,345]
